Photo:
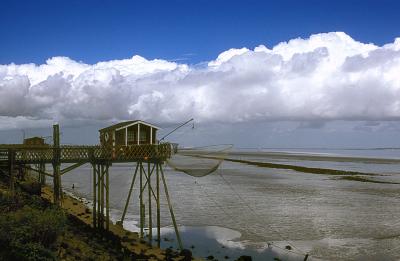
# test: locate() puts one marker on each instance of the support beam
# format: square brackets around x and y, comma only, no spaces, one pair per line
[158,206]
[150,198]
[170,209]
[129,194]
[141,199]
[126,136]
[57,190]
[94,214]
[39,170]
[138,133]
[107,198]
[72,167]
[42,170]
[98,197]
[102,195]
[151,135]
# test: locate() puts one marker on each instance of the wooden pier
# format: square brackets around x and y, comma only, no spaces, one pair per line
[149,160]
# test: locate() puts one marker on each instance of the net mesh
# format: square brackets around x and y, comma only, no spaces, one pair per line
[199,161]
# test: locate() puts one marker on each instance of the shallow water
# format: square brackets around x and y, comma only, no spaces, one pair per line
[240,208]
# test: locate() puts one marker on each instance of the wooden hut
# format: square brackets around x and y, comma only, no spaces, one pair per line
[129,133]
[36,141]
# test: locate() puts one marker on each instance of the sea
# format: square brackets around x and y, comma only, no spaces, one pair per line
[268,213]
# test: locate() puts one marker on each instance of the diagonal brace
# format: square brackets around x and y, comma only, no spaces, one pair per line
[38,171]
[72,167]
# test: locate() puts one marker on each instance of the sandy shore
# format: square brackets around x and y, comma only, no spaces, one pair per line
[130,240]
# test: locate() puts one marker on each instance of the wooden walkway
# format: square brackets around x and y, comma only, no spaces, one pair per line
[84,154]
[149,160]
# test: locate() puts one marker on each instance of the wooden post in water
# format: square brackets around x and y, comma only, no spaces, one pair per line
[171,211]
[158,206]
[141,199]
[150,198]
[129,194]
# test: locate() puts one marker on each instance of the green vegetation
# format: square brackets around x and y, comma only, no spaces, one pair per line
[29,228]
[364,179]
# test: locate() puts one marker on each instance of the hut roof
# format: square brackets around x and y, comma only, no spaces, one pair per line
[125,124]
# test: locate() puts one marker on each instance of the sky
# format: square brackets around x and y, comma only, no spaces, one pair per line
[252,73]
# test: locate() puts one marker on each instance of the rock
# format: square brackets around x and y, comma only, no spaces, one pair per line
[187,254]
[288,247]
[244,258]
[210,257]
[31,187]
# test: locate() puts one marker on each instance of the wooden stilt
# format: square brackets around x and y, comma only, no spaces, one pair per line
[56,165]
[42,168]
[141,199]
[158,206]
[102,194]
[94,214]
[107,198]
[129,194]
[98,197]
[150,198]
[171,210]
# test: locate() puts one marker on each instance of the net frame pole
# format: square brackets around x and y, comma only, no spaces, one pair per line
[171,211]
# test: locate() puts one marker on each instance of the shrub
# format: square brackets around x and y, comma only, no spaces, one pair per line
[29,234]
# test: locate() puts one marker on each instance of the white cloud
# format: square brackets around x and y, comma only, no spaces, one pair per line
[325,77]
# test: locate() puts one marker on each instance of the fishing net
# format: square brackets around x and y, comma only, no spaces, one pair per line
[199,161]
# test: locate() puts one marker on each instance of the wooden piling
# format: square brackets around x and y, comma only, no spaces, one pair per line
[129,194]
[150,198]
[42,177]
[102,195]
[171,211]
[141,199]
[94,214]
[158,206]
[98,197]
[56,165]
[107,187]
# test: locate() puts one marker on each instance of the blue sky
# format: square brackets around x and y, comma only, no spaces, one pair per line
[190,31]
[309,76]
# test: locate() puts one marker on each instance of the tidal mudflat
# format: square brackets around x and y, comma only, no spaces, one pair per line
[247,209]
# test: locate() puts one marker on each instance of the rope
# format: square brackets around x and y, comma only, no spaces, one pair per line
[231,217]
[298,252]
[259,218]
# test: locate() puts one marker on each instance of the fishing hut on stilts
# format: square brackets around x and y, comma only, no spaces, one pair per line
[126,142]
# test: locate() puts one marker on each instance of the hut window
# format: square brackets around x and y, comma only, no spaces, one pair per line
[143,136]
[131,136]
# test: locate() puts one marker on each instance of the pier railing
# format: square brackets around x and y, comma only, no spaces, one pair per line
[74,154]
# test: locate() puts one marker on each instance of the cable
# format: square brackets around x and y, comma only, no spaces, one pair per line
[258,217]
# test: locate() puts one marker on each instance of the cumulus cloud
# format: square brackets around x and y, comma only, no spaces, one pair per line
[327,76]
